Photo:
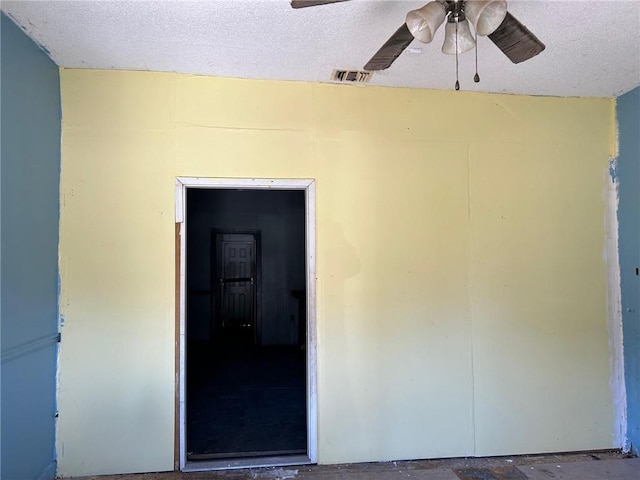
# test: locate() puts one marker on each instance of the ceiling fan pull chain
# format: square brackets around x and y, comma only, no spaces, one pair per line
[457,82]
[476,77]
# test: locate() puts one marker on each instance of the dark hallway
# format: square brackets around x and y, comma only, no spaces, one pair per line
[246,324]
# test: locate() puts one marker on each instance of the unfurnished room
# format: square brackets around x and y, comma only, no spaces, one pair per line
[328,239]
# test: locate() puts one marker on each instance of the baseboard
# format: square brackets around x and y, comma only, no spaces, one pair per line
[49,473]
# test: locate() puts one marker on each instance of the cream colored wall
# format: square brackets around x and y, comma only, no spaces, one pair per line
[461,282]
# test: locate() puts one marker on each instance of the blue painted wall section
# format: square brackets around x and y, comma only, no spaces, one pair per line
[30,177]
[628,113]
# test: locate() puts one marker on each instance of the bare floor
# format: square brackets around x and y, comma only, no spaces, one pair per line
[245,398]
[601,465]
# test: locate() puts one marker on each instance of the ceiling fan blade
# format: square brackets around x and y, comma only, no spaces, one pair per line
[391,49]
[312,3]
[515,40]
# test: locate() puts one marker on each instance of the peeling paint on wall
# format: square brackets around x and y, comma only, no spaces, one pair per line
[613,172]
[614,308]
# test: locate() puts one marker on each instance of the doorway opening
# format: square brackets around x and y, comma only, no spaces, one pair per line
[246,326]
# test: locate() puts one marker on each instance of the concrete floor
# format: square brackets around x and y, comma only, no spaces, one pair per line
[609,465]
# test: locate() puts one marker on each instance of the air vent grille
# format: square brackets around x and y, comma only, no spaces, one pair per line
[351,76]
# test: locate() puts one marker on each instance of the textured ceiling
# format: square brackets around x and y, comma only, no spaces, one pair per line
[593,46]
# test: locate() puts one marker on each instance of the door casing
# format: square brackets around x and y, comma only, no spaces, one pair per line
[181,186]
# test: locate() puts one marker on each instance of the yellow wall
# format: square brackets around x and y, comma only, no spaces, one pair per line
[461,281]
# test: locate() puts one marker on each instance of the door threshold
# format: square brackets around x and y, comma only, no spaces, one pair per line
[252,462]
[197,457]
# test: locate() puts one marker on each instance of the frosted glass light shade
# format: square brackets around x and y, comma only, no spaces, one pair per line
[465,39]
[424,22]
[486,15]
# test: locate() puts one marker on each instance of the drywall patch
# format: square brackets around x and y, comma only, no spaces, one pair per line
[613,173]
[614,308]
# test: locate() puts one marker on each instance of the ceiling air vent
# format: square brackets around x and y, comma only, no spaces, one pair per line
[355,76]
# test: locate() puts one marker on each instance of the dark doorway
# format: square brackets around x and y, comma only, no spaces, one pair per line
[245,324]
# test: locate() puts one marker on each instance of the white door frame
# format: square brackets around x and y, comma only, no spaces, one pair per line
[308,185]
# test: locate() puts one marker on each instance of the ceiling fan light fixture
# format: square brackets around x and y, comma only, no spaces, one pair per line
[486,15]
[464,41]
[424,22]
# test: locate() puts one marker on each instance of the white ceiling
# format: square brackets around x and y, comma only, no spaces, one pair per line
[593,46]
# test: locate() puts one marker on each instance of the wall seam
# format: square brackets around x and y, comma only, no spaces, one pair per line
[469,304]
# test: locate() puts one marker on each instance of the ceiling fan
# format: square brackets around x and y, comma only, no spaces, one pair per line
[489,18]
